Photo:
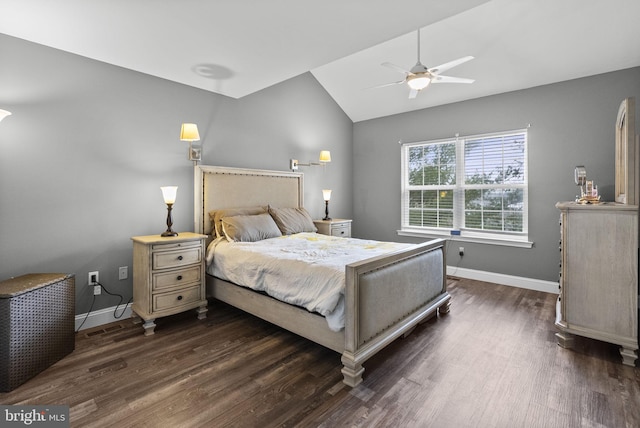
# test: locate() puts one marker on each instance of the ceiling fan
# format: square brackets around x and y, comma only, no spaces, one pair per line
[419,77]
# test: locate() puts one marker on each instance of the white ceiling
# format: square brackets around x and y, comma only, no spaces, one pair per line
[237,47]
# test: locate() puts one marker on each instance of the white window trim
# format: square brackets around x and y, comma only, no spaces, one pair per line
[520,240]
[469,236]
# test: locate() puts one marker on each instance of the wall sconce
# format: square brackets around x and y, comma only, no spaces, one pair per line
[169,195]
[3,114]
[326,195]
[189,132]
[325,157]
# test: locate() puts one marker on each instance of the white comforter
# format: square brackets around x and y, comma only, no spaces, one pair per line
[305,269]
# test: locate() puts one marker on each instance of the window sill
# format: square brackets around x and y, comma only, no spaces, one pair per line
[507,241]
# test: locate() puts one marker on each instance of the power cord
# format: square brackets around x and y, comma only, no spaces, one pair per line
[115,311]
[455,268]
[87,315]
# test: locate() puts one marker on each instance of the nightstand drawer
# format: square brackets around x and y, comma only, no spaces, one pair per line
[175,246]
[165,301]
[182,257]
[174,278]
[343,230]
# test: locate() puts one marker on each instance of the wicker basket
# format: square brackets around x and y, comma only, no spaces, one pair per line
[37,314]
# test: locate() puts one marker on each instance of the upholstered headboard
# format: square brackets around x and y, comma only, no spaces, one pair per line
[217,187]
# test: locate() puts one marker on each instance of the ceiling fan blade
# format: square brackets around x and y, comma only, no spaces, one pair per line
[447,65]
[413,93]
[387,84]
[396,68]
[449,79]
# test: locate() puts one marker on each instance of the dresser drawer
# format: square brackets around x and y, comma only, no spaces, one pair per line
[343,230]
[180,257]
[166,301]
[163,280]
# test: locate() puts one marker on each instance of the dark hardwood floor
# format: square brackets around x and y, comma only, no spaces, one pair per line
[492,362]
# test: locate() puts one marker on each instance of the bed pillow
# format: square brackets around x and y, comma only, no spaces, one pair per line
[292,220]
[217,215]
[249,228]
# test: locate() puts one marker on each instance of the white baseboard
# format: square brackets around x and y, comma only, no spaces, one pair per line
[106,315]
[100,317]
[499,278]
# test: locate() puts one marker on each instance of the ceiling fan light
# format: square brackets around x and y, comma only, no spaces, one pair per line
[418,82]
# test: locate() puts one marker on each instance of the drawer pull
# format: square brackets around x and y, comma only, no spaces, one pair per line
[179,277]
[179,257]
[179,297]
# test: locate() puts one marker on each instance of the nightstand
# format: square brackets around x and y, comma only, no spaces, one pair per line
[334,227]
[168,276]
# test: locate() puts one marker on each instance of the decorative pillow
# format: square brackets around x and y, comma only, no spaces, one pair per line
[217,215]
[292,220]
[249,228]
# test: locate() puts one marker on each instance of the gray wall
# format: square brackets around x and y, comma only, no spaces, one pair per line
[572,123]
[89,144]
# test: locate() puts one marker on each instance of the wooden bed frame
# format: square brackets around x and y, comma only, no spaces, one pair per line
[413,280]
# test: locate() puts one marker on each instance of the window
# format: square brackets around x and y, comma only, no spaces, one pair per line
[476,185]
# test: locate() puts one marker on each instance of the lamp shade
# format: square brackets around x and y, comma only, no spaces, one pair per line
[418,82]
[326,194]
[4,113]
[169,194]
[189,132]
[325,156]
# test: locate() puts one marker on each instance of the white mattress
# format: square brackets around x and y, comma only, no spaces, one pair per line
[305,269]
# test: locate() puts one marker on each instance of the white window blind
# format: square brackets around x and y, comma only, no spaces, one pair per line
[476,184]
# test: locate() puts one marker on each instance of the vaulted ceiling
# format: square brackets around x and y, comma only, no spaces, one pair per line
[238,47]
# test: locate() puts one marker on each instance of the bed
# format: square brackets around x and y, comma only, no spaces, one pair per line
[385,296]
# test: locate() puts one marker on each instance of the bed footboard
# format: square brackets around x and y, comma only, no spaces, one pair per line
[387,296]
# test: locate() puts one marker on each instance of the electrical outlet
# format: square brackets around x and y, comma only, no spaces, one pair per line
[123,272]
[94,277]
[461,251]
[97,290]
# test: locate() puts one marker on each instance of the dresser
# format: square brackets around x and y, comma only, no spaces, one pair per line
[334,227]
[598,296]
[168,276]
